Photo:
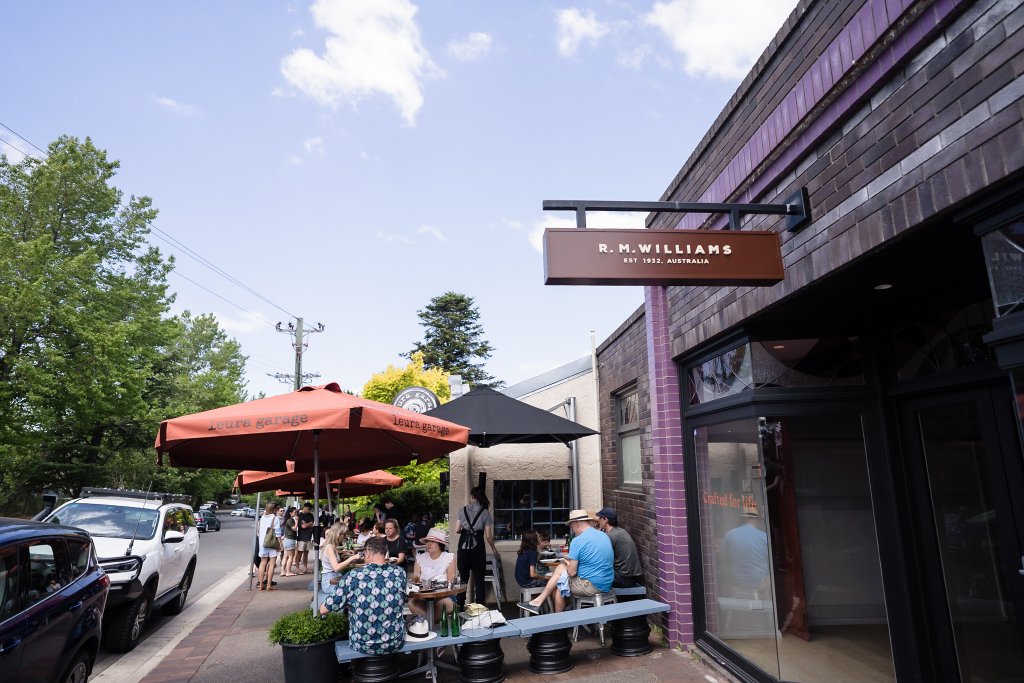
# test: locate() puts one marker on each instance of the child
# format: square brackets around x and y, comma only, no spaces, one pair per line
[526,562]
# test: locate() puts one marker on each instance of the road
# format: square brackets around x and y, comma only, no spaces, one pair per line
[220,552]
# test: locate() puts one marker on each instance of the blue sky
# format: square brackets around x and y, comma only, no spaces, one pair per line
[351,159]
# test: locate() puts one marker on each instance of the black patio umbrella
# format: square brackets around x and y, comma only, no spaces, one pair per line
[494,418]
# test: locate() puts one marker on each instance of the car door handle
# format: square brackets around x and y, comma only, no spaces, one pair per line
[9,645]
[76,606]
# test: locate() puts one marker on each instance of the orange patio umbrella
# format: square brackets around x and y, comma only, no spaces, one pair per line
[301,483]
[313,426]
[344,434]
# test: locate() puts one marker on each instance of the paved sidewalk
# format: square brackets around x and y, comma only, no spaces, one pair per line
[230,646]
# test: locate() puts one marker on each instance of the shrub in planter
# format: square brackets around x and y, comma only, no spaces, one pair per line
[307,645]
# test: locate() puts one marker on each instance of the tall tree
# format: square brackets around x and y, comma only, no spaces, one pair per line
[85,340]
[453,338]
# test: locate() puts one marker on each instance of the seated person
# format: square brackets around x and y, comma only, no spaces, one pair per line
[397,546]
[332,565]
[526,562]
[434,563]
[589,567]
[365,531]
[374,595]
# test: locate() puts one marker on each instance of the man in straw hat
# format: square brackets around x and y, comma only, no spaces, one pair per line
[589,567]
[375,596]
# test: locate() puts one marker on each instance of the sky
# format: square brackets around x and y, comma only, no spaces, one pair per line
[348,160]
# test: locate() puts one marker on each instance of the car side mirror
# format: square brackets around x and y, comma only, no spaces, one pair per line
[173,536]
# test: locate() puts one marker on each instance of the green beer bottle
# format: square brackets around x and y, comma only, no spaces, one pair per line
[444,623]
[455,624]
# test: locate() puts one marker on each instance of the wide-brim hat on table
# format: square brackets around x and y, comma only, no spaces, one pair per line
[581,516]
[437,535]
[418,630]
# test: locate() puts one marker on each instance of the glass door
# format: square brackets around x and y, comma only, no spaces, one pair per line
[964,450]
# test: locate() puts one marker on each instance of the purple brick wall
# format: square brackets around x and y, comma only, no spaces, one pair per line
[891,113]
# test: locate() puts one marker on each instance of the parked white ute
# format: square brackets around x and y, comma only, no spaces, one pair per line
[148,544]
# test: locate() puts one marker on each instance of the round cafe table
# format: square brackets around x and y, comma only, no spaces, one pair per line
[431,597]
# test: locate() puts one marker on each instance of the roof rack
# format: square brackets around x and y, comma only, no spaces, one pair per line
[164,498]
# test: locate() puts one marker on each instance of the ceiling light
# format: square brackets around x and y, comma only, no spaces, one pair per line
[884,286]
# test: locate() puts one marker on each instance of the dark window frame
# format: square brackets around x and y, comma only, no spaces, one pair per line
[556,524]
[624,430]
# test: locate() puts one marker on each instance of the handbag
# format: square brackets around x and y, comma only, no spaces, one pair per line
[270,539]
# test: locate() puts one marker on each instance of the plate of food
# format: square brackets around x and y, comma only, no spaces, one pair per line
[549,562]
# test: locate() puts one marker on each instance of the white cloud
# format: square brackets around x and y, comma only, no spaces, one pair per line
[373,47]
[15,148]
[434,232]
[597,220]
[635,58]
[574,27]
[473,47]
[175,106]
[298,33]
[254,322]
[314,145]
[719,38]
[401,239]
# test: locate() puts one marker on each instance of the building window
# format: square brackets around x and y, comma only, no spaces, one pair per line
[541,505]
[628,421]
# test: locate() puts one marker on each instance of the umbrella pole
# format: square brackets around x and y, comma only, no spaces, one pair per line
[256,537]
[327,483]
[316,521]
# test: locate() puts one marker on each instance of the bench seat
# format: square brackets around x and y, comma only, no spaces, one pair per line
[345,653]
[578,617]
[634,590]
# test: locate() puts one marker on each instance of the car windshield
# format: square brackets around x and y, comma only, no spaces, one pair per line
[112,521]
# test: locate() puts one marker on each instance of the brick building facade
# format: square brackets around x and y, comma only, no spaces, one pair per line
[833,464]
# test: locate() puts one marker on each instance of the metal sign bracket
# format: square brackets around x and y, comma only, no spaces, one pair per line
[796,208]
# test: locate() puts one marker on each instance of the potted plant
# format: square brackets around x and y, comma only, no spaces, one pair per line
[307,645]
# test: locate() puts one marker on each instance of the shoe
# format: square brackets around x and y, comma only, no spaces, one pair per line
[527,607]
[273,583]
[440,652]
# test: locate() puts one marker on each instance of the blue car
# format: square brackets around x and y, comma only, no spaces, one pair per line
[52,595]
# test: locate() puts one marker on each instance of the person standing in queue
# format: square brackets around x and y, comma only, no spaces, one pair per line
[268,556]
[305,538]
[475,528]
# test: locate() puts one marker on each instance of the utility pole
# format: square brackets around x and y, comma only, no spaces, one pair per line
[299,342]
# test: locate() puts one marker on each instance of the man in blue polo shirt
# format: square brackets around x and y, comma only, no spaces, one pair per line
[587,571]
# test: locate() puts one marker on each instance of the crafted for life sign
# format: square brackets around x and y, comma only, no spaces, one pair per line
[574,256]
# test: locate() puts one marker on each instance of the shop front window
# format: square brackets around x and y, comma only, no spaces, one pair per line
[787,363]
[1004,253]
[792,581]
[541,505]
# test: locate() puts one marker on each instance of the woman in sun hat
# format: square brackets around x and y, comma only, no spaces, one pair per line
[435,563]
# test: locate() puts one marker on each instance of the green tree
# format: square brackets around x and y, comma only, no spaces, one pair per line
[384,386]
[453,338]
[89,359]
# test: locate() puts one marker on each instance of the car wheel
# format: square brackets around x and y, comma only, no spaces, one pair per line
[78,671]
[178,604]
[123,629]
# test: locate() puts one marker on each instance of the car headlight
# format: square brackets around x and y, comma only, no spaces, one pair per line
[121,566]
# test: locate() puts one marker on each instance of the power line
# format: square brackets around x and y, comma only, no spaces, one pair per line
[13,146]
[210,264]
[43,152]
[171,240]
[222,298]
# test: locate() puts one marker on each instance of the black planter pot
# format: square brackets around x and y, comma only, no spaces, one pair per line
[316,663]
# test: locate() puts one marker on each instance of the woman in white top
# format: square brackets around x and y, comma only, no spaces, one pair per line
[433,563]
[268,556]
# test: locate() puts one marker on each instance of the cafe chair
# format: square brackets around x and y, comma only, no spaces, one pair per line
[527,594]
[595,601]
[493,575]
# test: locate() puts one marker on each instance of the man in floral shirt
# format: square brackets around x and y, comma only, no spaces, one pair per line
[374,596]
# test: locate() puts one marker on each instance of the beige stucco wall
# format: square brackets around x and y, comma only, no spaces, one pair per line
[534,461]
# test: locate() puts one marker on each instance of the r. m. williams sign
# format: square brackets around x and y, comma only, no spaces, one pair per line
[661,257]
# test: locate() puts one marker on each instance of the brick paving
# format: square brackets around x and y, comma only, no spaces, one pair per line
[230,646]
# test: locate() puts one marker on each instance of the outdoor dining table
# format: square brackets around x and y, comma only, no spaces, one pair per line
[431,597]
